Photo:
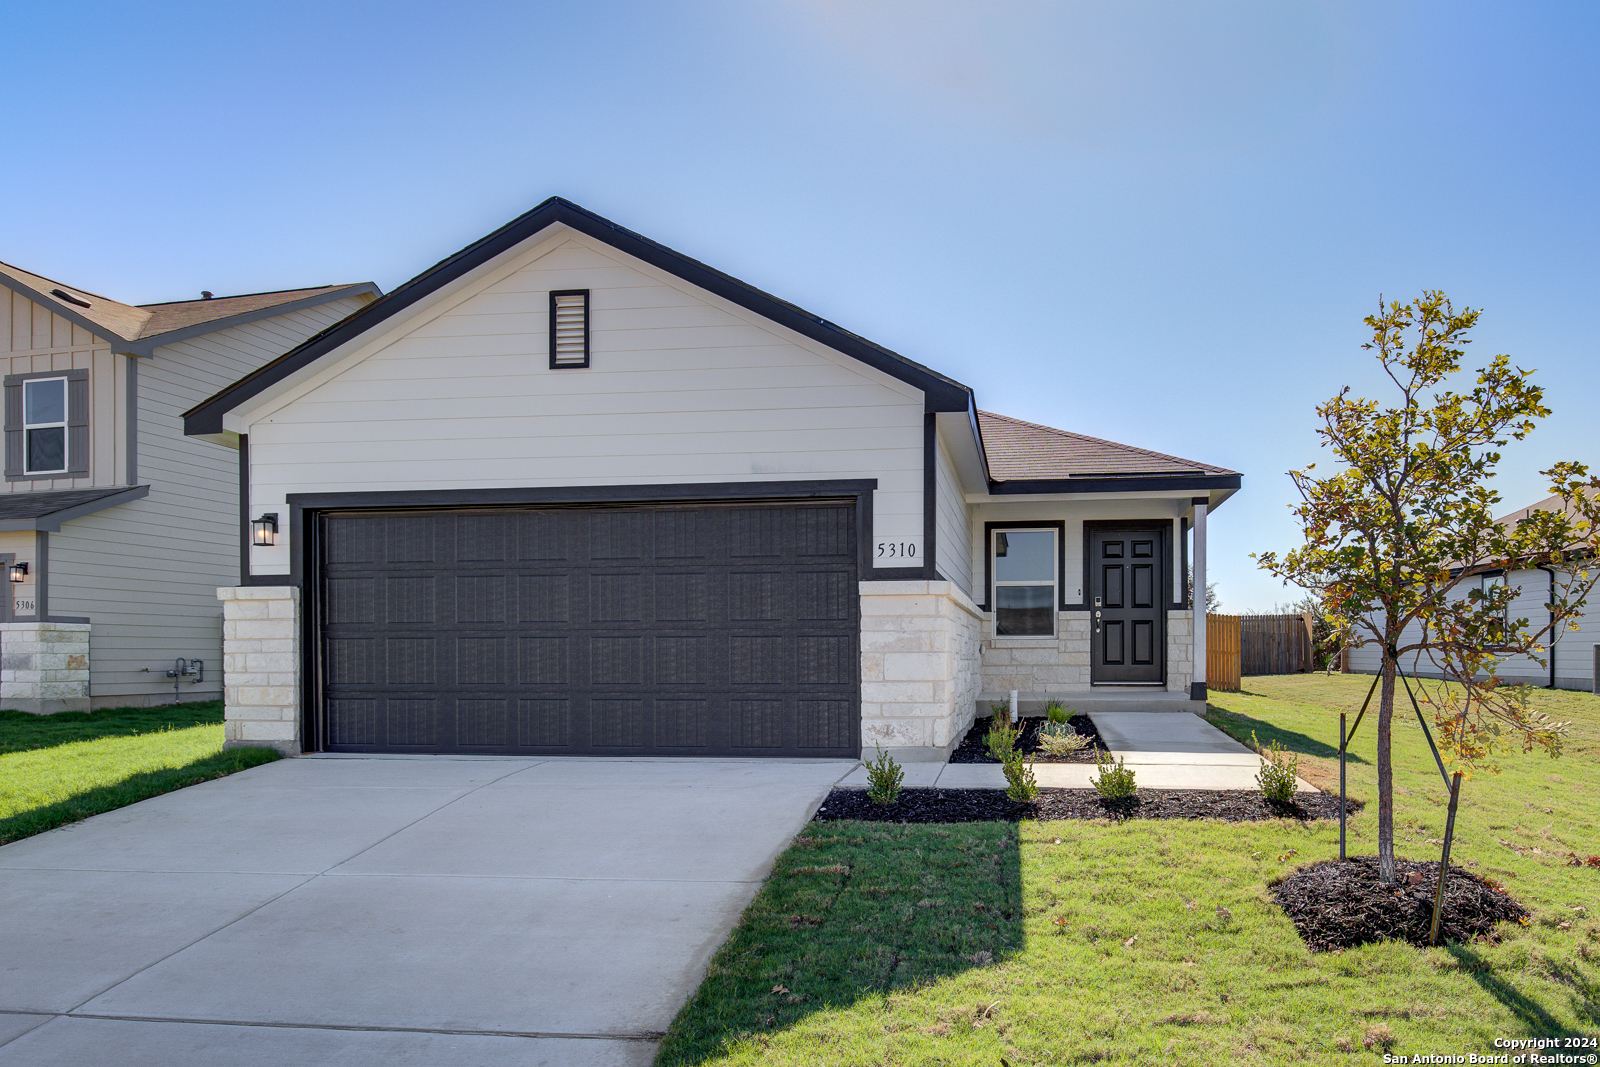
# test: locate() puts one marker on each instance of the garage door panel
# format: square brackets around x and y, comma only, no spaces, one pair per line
[691,629]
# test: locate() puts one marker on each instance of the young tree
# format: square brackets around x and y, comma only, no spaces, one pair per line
[1213,601]
[1396,536]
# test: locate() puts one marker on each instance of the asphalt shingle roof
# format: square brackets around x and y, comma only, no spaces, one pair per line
[1026,451]
[27,505]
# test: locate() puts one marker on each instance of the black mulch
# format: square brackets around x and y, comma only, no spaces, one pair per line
[1340,905]
[972,749]
[992,805]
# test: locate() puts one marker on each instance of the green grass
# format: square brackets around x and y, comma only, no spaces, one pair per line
[1076,942]
[57,769]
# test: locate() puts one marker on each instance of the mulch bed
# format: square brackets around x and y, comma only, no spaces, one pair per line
[992,805]
[972,749]
[1340,905]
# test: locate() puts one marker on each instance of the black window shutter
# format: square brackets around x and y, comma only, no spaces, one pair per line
[13,431]
[77,424]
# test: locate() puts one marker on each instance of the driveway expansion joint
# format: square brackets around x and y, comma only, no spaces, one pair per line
[648,1035]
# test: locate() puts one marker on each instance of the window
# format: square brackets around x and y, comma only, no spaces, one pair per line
[1491,584]
[1025,583]
[569,329]
[47,425]
[44,426]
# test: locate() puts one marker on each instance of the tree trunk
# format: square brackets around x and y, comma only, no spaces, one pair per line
[1386,775]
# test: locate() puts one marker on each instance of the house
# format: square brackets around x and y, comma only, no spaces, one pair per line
[1570,658]
[115,528]
[570,491]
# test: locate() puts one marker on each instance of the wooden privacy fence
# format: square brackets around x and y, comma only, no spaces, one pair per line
[1275,644]
[1222,651]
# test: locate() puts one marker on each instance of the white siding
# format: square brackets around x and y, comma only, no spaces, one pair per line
[146,573]
[1574,650]
[682,387]
[954,556]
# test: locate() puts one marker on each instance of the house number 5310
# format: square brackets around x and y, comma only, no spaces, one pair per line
[887,550]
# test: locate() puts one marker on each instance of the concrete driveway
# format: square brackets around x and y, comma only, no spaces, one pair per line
[410,910]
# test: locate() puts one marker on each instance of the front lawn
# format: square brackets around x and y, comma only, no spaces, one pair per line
[57,769]
[1156,942]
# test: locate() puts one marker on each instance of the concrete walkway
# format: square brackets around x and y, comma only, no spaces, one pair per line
[372,911]
[1167,750]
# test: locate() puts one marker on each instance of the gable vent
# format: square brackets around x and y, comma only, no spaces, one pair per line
[569,328]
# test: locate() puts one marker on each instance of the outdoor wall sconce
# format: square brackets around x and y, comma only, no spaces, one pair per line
[264,531]
[19,572]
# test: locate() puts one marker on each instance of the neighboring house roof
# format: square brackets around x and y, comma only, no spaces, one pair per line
[943,394]
[48,509]
[139,329]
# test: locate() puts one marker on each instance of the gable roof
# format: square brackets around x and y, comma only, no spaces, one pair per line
[942,393]
[1026,457]
[138,329]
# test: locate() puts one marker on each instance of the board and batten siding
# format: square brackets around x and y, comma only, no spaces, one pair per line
[37,339]
[146,572]
[682,387]
[954,555]
[1574,649]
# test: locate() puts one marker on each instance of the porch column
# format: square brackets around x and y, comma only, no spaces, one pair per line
[1197,683]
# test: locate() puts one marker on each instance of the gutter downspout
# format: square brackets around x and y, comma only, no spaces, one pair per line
[1551,603]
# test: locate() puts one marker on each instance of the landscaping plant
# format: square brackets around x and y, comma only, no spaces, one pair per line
[1398,534]
[1020,783]
[1056,712]
[883,779]
[1002,736]
[1060,739]
[1115,780]
[1279,770]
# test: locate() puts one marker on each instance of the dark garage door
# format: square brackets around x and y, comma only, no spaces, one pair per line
[665,630]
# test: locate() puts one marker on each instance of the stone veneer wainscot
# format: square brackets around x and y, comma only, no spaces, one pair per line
[919,668]
[261,666]
[44,666]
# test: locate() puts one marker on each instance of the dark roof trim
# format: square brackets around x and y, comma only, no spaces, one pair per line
[51,521]
[1135,484]
[146,346]
[65,310]
[942,394]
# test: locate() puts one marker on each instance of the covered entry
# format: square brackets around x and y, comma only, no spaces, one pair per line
[693,629]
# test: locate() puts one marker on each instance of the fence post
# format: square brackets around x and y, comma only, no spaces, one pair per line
[1342,741]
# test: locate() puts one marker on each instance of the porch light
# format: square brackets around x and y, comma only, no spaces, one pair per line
[264,531]
[19,572]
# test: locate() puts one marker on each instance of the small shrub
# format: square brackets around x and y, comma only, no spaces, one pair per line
[1020,783]
[1115,779]
[1279,768]
[883,779]
[1059,739]
[1057,713]
[1001,739]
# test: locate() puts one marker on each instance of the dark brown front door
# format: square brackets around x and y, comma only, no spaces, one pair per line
[1128,617]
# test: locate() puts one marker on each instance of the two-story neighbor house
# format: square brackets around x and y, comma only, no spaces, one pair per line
[115,528]
[569,491]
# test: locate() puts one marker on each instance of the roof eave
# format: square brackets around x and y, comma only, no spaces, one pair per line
[67,311]
[1116,484]
[146,346]
[941,393]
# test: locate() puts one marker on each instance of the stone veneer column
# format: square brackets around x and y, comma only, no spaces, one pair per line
[1180,651]
[44,666]
[261,666]
[919,668]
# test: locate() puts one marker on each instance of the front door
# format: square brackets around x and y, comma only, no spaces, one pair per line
[1128,617]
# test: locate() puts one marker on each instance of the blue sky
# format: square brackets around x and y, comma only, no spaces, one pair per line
[1156,223]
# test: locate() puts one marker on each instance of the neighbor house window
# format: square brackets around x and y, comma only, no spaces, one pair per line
[47,425]
[1492,583]
[1025,583]
[569,329]
[44,426]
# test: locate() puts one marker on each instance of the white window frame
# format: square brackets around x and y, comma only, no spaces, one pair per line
[29,427]
[1489,581]
[1054,583]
